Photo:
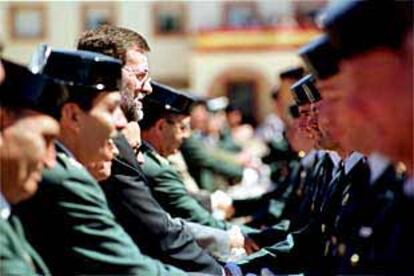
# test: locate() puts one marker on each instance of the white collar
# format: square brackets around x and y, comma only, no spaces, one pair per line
[352,160]
[5,209]
[334,157]
[409,187]
[378,163]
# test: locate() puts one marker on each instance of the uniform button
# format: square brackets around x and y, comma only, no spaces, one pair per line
[341,249]
[354,259]
[337,218]
[365,232]
[323,228]
[334,240]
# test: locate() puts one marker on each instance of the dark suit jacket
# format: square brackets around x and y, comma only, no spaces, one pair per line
[148,224]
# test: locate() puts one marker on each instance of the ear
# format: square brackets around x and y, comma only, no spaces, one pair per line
[70,116]
[160,125]
[408,47]
[6,118]
[2,118]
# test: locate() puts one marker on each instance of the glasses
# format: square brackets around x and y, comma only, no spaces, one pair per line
[141,77]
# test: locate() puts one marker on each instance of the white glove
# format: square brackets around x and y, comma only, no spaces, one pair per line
[250,177]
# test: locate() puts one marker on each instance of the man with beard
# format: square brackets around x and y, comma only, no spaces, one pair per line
[129,197]
[69,218]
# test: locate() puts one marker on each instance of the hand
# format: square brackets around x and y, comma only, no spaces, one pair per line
[132,133]
[236,237]
[222,205]
[250,246]
[250,177]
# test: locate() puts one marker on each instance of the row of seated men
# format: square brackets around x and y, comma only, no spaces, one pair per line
[109,201]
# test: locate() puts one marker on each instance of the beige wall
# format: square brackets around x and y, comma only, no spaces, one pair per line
[169,57]
[210,68]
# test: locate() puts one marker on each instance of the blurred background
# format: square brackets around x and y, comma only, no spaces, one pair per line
[209,48]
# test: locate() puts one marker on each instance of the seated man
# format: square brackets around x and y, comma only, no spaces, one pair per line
[69,219]
[129,197]
[166,119]
[26,135]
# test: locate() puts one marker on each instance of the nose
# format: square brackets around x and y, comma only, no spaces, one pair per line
[186,132]
[50,157]
[119,119]
[113,148]
[146,88]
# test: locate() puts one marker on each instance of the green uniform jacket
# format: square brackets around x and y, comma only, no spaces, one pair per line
[203,165]
[226,141]
[170,192]
[71,226]
[17,257]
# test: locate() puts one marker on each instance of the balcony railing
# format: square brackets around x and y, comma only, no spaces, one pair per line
[256,38]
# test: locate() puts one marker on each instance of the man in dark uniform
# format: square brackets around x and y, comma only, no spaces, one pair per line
[363,239]
[25,136]
[69,219]
[374,41]
[129,197]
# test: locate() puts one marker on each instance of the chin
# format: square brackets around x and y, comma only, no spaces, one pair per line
[104,173]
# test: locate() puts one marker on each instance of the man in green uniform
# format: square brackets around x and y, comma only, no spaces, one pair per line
[25,136]
[155,232]
[202,165]
[69,219]
[164,127]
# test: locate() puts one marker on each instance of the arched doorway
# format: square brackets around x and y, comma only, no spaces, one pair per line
[246,88]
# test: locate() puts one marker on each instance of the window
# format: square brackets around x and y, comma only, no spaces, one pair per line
[240,14]
[169,18]
[27,21]
[241,93]
[96,14]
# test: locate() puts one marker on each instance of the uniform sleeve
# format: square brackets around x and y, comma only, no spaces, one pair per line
[72,228]
[11,254]
[171,194]
[98,243]
[195,155]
